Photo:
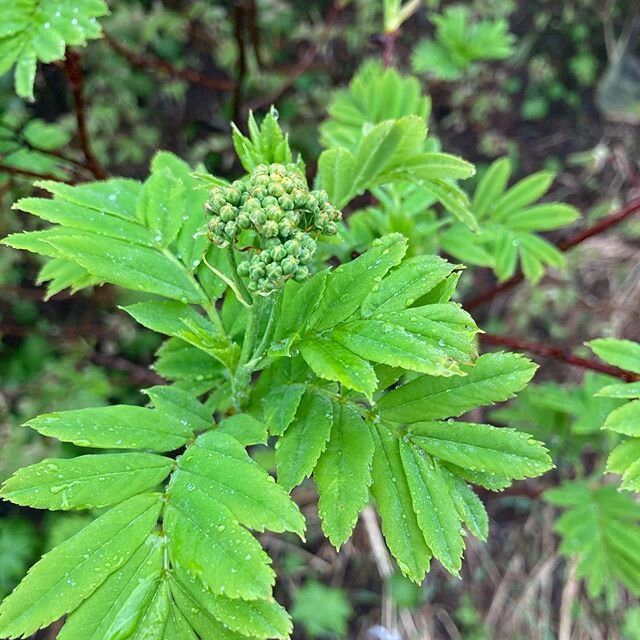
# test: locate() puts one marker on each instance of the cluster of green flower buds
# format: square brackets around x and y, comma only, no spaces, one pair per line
[275,204]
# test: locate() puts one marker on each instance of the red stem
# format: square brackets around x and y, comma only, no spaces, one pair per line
[565,245]
[558,354]
[162,66]
[31,174]
[75,76]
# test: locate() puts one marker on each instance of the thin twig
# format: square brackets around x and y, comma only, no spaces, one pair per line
[564,245]
[150,63]
[305,61]
[557,353]
[16,171]
[75,76]
[23,142]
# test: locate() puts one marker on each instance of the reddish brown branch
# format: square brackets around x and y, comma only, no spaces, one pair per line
[556,353]
[31,174]
[75,76]
[564,245]
[162,66]
[305,61]
[389,48]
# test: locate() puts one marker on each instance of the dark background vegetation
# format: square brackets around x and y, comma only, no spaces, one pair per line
[171,75]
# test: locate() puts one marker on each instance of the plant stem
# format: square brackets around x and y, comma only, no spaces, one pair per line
[75,76]
[267,336]
[245,296]
[559,354]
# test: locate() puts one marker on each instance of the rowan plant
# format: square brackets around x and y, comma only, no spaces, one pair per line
[354,373]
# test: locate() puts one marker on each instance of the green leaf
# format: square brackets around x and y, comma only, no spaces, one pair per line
[162,206]
[494,377]
[116,600]
[625,419]
[267,143]
[85,482]
[115,427]
[349,285]
[280,407]
[207,541]
[197,617]
[375,94]
[177,360]
[183,321]
[335,170]
[481,447]
[254,618]
[218,467]
[404,285]
[468,505]
[620,353]
[304,440]
[432,339]
[40,30]
[434,508]
[343,474]
[119,262]
[85,218]
[328,359]
[26,75]
[245,429]
[522,194]
[392,494]
[620,390]
[625,460]
[300,302]
[182,405]
[542,217]
[600,527]
[491,186]
[454,200]
[66,576]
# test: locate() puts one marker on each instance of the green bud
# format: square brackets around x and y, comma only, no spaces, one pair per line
[243,220]
[286,227]
[232,196]
[276,190]
[252,203]
[230,230]
[256,272]
[259,193]
[244,268]
[292,247]
[227,213]
[274,272]
[270,229]
[268,201]
[301,274]
[289,265]
[286,202]
[299,198]
[274,212]
[331,228]
[258,218]
[278,253]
